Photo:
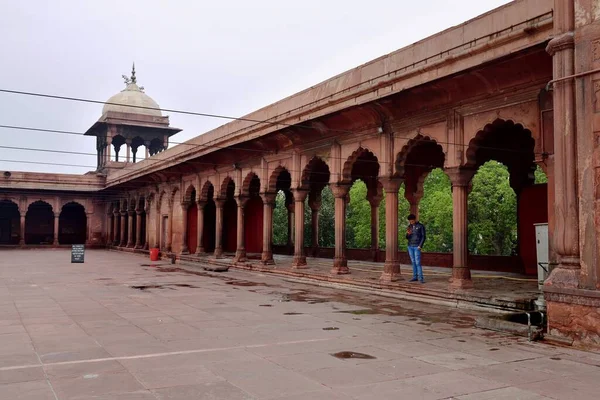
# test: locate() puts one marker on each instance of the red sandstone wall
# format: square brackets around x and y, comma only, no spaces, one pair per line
[533,209]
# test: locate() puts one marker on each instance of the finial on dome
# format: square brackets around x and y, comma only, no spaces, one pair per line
[133,79]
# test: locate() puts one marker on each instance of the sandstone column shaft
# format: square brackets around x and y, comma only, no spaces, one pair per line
[461,274]
[130,228]
[340,262]
[391,267]
[138,230]
[219,229]
[22,232]
[200,230]
[56,221]
[116,237]
[240,254]
[267,251]
[184,213]
[299,257]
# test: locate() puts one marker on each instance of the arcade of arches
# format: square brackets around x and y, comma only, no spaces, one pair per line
[495,89]
[38,224]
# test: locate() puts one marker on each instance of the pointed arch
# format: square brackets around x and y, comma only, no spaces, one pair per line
[280,179]
[207,192]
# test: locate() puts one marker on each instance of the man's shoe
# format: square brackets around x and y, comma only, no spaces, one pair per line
[413,280]
[422,281]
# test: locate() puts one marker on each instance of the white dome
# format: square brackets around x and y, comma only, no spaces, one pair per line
[132,95]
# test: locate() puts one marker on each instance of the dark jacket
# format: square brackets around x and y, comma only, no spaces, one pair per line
[417,235]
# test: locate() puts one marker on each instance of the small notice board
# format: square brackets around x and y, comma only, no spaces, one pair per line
[77,253]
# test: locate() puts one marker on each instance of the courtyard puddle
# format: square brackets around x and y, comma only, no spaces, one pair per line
[344,355]
[331,328]
[171,286]
[293,313]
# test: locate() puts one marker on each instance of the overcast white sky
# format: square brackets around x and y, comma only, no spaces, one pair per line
[221,57]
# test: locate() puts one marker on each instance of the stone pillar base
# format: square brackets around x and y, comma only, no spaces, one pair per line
[573,314]
[200,252]
[138,247]
[564,275]
[340,267]
[240,256]
[185,252]
[299,262]
[266,258]
[130,245]
[459,283]
[391,272]
[146,246]
[218,253]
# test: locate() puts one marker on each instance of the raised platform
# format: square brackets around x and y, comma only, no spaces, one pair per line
[502,292]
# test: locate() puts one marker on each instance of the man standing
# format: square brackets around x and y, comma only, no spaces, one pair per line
[415,234]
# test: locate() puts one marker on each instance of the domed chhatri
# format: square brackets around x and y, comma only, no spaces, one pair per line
[131,123]
[132,95]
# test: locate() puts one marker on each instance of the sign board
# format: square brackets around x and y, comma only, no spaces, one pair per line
[77,253]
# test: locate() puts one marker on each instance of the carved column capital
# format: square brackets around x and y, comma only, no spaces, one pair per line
[565,41]
[300,194]
[460,177]
[241,201]
[201,203]
[391,184]
[340,190]
[268,198]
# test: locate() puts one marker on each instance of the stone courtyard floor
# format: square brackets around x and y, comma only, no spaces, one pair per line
[116,328]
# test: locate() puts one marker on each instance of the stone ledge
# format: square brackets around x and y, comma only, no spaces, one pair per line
[583,297]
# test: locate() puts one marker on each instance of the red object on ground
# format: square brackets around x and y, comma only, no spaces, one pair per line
[154,254]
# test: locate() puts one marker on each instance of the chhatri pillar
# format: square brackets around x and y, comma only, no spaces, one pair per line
[200,222]
[391,267]
[461,274]
[314,202]
[268,205]
[340,262]
[219,203]
[299,257]
[240,253]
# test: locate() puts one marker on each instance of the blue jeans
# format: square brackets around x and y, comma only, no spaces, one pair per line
[415,258]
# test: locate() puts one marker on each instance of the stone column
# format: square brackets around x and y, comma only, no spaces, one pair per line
[116,217]
[391,267]
[123,233]
[268,205]
[240,253]
[314,202]
[184,212]
[138,230]
[374,201]
[340,262]
[108,150]
[169,241]
[130,228]
[56,221]
[22,233]
[128,147]
[109,228]
[299,257]
[147,208]
[219,203]
[461,274]
[200,244]
[566,225]
[290,228]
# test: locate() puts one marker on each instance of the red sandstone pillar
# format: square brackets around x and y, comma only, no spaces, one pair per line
[268,205]
[138,230]
[290,237]
[130,228]
[566,225]
[123,236]
[391,267]
[22,231]
[340,262]
[200,221]
[461,274]
[169,242]
[184,213]
[109,228]
[299,257]
[374,201]
[219,228]
[147,208]
[314,203]
[240,253]
[115,238]
[56,221]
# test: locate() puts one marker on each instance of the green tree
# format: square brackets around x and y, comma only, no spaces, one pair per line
[435,212]
[358,217]
[280,220]
[492,212]
[326,219]
[540,175]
